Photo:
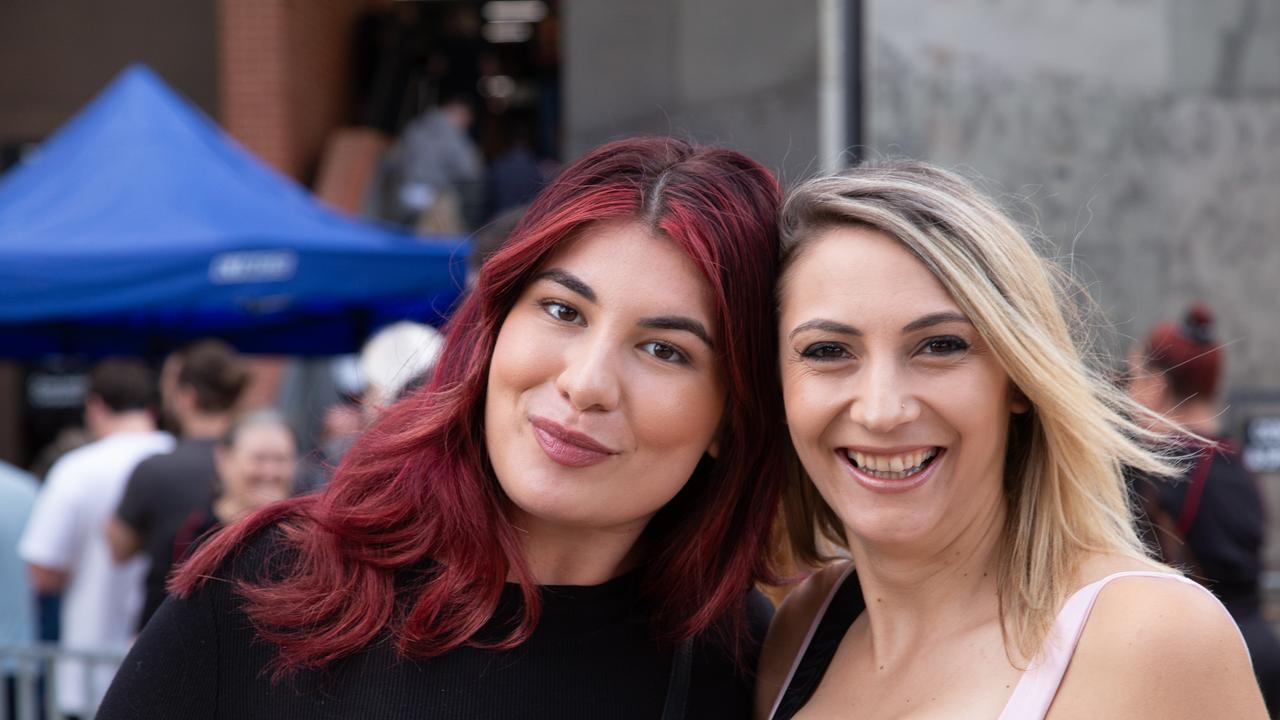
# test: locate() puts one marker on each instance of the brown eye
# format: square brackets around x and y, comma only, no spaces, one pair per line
[664,352]
[560,311]
[823,351]
[944,345]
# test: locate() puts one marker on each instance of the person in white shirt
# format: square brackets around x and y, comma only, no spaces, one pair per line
[65,545]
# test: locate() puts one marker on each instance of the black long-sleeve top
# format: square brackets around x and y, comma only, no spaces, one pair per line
[591,656]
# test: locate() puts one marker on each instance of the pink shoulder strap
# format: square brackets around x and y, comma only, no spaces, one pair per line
[808,638]
[1039,684]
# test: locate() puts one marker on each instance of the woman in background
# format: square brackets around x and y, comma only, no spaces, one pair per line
[1211,519]
[257,461]
[958,447]
[566,522]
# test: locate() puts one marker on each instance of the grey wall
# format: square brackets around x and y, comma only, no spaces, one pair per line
[1142,134]
[734,72]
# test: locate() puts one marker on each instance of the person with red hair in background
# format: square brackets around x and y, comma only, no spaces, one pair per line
[567,521]
[1212,521]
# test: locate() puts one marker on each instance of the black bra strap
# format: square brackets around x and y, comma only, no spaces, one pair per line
[844,608]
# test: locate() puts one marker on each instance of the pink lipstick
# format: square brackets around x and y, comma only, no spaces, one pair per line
[568,447]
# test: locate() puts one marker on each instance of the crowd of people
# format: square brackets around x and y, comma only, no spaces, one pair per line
[108,521]
[566,504]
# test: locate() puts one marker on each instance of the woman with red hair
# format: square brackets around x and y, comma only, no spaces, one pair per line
[567,521]
[1211,521]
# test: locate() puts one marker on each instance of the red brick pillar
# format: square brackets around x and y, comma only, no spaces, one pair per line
[284,76]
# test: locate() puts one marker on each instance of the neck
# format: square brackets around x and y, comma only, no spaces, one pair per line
[229,509]
[138,421]
[917,595]
[204,426]
[560,555]
[1200,417]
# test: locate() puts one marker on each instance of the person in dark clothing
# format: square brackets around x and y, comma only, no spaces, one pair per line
[257,458]
[200,386]
[566,521]
[1212,520]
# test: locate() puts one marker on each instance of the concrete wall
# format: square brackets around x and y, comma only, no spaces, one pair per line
[738,73]
[1144,135]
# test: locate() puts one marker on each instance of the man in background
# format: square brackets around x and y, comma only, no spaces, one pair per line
[200,386]
[437,170]
[64,544]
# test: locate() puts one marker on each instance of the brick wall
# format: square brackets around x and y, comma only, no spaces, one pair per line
[284,76]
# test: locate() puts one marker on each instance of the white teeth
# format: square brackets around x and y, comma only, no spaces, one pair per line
[891,467]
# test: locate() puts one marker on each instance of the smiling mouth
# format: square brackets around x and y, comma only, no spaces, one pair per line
[568,447]
[902,466]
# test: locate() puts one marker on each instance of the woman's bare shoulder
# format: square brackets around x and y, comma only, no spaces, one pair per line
[1157,647]
[791,624]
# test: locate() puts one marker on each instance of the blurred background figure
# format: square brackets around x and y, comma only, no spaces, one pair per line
[18,600]
[68,439]
[397,358]
[515,175]
[257,458]
[490,238]
[1211,522]
[435,171]
[65,545]
[391,364]
[200,386]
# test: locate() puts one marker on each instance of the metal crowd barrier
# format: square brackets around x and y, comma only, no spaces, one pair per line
[35,681]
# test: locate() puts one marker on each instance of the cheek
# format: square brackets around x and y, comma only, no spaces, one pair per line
[978,409]
[522,358]
[667,415]
[810,405]
[237,475]
[1145,390]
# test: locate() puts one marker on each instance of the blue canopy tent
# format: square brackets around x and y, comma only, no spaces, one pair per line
[140,225]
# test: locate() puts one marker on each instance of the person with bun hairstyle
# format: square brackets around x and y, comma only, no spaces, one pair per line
[1211,518]
[567,520]
[200,385]
[958,447]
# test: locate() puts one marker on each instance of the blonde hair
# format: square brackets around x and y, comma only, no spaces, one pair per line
[1066,494]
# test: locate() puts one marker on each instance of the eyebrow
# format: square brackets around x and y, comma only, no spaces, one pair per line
[664,322]
[932,319]
[568,280]
[827,326]
[839,328]
[679,322]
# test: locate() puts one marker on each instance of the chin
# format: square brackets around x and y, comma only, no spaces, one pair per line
[579,516]
[890,528]
[553,500]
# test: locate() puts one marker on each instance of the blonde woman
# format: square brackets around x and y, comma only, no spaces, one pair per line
[960,450]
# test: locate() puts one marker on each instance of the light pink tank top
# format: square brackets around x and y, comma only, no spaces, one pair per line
[1039,683]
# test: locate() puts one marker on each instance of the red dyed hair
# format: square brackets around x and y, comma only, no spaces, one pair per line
[418,488]
[1187,355]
